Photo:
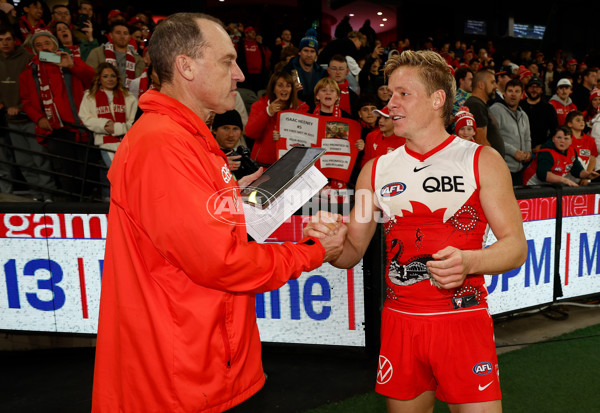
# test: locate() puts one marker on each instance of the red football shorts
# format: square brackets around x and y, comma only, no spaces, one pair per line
[453,354]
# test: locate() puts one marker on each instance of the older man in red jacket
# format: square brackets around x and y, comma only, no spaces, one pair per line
[177,328]
[51,93]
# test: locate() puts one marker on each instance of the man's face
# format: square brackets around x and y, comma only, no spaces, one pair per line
[7,44]
[572,67]
[489,85]
[534,91]
[286,35]
[338,71]
[216,73]
[86,9]
[308,55]
[228,136]
[250,35]
[591,79]
[62,14]
[411,107]
[512,96]
[44,43]
[563,92]
[34,11]
[120,36]
[467,83]
[502,81]
[474,65]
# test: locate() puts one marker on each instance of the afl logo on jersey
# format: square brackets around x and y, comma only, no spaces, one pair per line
[393,189]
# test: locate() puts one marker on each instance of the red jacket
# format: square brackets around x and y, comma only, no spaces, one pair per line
[260,128]
[82,77]
[177,327]
[562,110]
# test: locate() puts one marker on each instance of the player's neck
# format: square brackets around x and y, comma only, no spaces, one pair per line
[423,143]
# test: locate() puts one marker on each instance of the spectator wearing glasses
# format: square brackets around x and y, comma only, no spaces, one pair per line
[338,70]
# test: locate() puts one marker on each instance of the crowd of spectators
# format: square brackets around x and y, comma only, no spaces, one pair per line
[73,76]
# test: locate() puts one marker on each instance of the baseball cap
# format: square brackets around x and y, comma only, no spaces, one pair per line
[382,112]
[535,81]
[564,82]
[505,70]
[114,13]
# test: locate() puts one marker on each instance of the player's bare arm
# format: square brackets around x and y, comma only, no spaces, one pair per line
[361,224]
[501,209]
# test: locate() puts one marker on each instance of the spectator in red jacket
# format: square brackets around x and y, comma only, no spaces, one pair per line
[51,94]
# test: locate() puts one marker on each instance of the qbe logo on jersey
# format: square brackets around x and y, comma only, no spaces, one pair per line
[385,370]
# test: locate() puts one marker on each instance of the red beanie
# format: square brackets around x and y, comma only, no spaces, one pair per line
[464,118]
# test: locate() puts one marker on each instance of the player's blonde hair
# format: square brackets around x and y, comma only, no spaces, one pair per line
[434,71]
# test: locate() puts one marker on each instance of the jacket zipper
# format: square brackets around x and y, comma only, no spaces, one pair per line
[225,337]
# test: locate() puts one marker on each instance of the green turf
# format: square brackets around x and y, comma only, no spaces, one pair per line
[558,376]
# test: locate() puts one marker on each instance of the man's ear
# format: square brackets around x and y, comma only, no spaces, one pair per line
[183,66]
[439,97]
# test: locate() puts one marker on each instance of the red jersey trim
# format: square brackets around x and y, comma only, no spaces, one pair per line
[373,174]
[431,152]
[476,165]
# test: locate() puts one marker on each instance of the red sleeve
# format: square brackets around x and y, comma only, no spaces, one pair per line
[258,119]
[83,71]
[592,145]
[29,96]
[179,215]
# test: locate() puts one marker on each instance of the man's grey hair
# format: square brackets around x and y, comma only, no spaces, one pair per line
[178,34]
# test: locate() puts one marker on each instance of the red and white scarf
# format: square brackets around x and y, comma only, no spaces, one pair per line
[111,57]
[337,112]
[75,50]
[26,28]
[117,115]
[48,103]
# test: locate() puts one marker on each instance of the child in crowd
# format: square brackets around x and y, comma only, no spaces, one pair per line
[327,99]
[466,127]
[382,140]
[555,160]
[584,145]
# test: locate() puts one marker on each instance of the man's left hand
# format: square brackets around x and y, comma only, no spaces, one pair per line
[248,179]
[449,267]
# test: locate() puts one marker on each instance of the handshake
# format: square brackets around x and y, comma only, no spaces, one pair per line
[331,232]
